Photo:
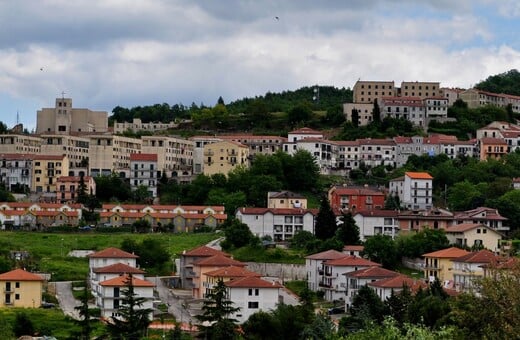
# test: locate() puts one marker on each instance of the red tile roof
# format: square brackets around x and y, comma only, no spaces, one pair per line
[252,282]
[398,282]
[119,268]
[418,175]
[460,228]
[377,213]
[219,260]
[113,253]
[20,275]
[326,255]
[448,253]
[351,261]
[353,247]
[232,271]
[121,281]
[375,272]
[482,256]
[204,251]
[277,211]
[143,157]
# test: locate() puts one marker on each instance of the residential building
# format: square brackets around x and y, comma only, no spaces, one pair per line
[64,119]
[198,151]
[207,265]
[351,198]
[375,152]
[451,94]
[174,155]
[320,149]
[112,293]
[478,98]
[30,216]
[417,220]
[21,289]
[436,108]
[286,200]
[438,265]
[332,279]
[376,222]
[144,172]
[188,258]
[419,89]
[279,224]
[359,278]
[252,294]
[68,187]
[353,249]
[45,173]
[412,109]
[493,148]
[314,267]
[258,144]
[384,288]
[111,153]
[20,144]
[482,215]
[347,156]
[364,112]
[137,125]
[303,133]
[469,267]
[224,274]
[367,91]
[222,157]
[109,272]
[110,256]
[75,147]
[414,190]
[474,235]
[16,171]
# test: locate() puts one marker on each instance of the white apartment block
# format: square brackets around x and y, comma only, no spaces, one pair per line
[436,107]
[314,266]
[16,171]
[377,222]
[143,172]
[137,125]
[415,191]
[374,152]
[409,108]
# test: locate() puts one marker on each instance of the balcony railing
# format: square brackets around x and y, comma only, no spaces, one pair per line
[324,284]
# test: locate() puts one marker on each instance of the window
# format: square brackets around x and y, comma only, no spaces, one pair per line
[17,285]
[252,305]
[17,296]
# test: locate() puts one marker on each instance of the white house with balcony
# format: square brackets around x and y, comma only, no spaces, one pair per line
[314,266]
[112,271]
[359,278]
[108,257]
[376,222]
[415,190]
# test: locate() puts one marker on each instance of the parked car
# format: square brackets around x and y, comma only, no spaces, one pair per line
[336,310]
[47,305]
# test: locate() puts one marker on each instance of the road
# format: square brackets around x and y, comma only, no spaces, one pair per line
[177,306]
[66,299]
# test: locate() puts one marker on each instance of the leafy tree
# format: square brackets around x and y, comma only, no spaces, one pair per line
[303,173]
[376,112]
[422,242]
[237,235]
[216,311]
[111,188]
[293,321]
[321,327]
[398,305]
[22,325]
[325,221]
[464,196]
[152,254]
[133,320]
[305,240]
[141,194]
[355,118]
[382,249]
[348,231]
[142,226]
[366,307]
[506,82]
[82,190]
[261,326]
[299,114]
[85,313]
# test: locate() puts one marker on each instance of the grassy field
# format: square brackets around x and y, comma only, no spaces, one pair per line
[49,250]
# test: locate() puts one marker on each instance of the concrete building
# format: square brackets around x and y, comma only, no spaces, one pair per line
[144,172]
[343,198]
[224,274]
[20,144]
[470,267]
[187,260]
[225,156]
[206,265]
[111,153]
[359,278]
[375,152]
[421,89]
[110,256]
[314,267]
[417,220]
[279,224]
[16,171]
[109,272]
[198,151]
[45,173]
[364,112]
[477,98]
[21,289]
[482,215]
[436,108]
[286,200]
[137,125]
[174,155]
[376,222]
[367,91]
[414,190]
[409,108]
[258,144]
[68,187]
[474,235]
[64,119]
[438,265]
[75,147]
[384,288]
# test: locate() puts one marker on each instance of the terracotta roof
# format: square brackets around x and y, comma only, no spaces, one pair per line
[16,156]
[219,260]
[204,251]
[482,256]
[418,175]
[449,253]
[113,253]
[232,271]
[480,213]
[490,140]
[462,227]
[145,157]
[353,247]
[252,282]
[372,272]
[277,211]
[305,131]
[121,281]
[285,194]
[119,268]
[326,255]
[20,275]
[398,282]
[351,261]
[340,190]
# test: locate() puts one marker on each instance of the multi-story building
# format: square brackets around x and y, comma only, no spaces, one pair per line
[350,199]
[384,288]
[45,173]
[144,172]
[416,220]
[23,144]
[414,190]
[493,148]
[346,156]
[359,278]
[376,222]
[75,147]
[63,119]
[21,289]
[368,91]
[364,112]
[409,108]
[68,187]
[286,200]
[222,157]
[279,224]
[258,145]
[375,152]
[207,265]
[198,151]
[438,265]
[137,125]
[421,89]
[477,98]
[314,266]
[482,215]
[174,155]
[107,257]
[224,274]
[320,149]
[112,271]
[111,153]
[468,268]
[16,171]
[436,107]
[451,94]
[474,235]
[187,260]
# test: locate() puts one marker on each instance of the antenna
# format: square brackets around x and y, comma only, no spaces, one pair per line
[17,117]
[62,94]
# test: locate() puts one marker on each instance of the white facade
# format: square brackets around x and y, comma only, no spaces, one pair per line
[144,171]
[253,299]
[314,267]
[377,222]
[110,298]
[417,191]
[436,107]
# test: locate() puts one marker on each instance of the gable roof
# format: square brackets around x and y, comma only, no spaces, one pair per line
[20,275]
[375,272]
[481,256]
[218,260]
[204,251]
[232,271]
[119,268]
[353,247]
[121,281]
[252,282]
[463,227]
[351,260]
[418,175]
[113,253]
[398,282]
[448,253]
[326,255]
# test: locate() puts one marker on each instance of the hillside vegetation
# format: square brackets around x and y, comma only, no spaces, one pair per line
[507,82]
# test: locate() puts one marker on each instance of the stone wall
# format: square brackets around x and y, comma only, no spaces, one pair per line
[279,270]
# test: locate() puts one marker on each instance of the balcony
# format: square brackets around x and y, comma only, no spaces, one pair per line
[208,153]
[8,290]
[325,285]
[320,271]
[190,273]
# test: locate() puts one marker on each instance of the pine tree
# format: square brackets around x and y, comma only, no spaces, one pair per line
[82,190]
[355,118]
[325,221]
[348,231]
[85,314]
[133,320]
[376,112]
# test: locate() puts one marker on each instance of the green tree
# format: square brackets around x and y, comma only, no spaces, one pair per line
[422,242]
[382,249]
[366,307]
[355,118]
[303,173]
[141,194]
[142,226]
[217,310]
[398,304]
[348,231]
[325,221]
[237,235]
[376,112]
[299,114]
[261,326]
[85,313]
[133,320]
[22,325]
[82,191]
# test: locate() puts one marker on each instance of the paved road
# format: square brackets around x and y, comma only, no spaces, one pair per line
[177,306]
[66,299]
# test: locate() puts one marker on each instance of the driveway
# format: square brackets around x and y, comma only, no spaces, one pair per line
[66,299]
[178,305]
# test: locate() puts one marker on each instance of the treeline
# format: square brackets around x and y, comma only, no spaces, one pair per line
[507,82]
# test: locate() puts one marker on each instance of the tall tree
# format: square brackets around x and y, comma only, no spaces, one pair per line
[85,313]
[382,249]
[325,221]
[355,117]
[376,112]
[82,190]
[348,231]
[133,320]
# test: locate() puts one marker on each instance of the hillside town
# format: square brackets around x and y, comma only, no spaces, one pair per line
[50,174]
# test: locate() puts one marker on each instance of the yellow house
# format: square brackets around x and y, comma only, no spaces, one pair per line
[474,235]
[222,157]
[46,171]
[438,263]
[21,289]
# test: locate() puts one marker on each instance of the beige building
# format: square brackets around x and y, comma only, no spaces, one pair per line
[286,199]
[21,289]
[438,264]
[198,151]
[174,155]
[20,144]
[138,125]
[108,153]
[224,156]
[421,89]
[474,235]
[76,148]
[367,91]
[258,145]
[63,119]
[45,173]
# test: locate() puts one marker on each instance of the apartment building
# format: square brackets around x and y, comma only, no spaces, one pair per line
[474,235]
[351,198]
[367,91]
[421,89]
[111,153]
[364,112]
[482,215]
[13,143]
[198,151]
[137,125]
[477,98]
[64,119]
[45,173]
[321,149]
[75,147]
[359,278]
[187,260]
[68,187]
[314,266]
[21,289]
[409,108]
[377,222]
[493,148]
[375,152]
[144,172]
[286,200]
[16,171]
[174,155]
[347,155]
[258,145]
[111,294]
[436,107]
[414,190]
[417,220]
[224,156]
[438,265]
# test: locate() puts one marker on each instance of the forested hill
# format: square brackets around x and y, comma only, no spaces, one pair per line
[507,82]
[321,98]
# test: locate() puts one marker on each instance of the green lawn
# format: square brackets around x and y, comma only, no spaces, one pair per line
[49,250]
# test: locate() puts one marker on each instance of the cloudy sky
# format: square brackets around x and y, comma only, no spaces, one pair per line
[104,53]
